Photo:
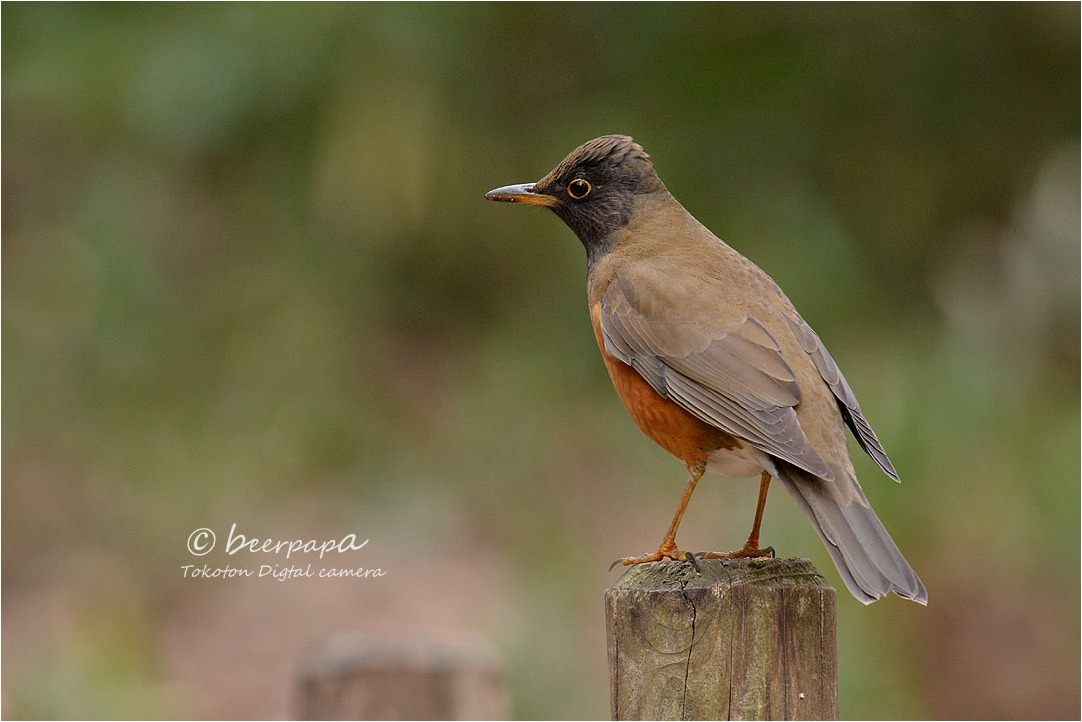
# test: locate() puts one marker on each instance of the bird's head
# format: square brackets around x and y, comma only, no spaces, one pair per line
[593,190]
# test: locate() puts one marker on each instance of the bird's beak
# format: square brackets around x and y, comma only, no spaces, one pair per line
[522,193]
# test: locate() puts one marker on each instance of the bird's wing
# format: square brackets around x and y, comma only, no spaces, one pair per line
[733,378]
[847,400]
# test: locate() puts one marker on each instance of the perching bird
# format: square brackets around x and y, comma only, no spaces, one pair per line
[714,363]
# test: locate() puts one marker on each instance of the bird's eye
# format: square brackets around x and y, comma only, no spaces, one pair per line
[579,189]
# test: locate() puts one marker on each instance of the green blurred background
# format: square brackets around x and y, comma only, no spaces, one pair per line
[248,276]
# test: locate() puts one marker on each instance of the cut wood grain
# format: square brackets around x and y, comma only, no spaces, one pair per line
[745,639]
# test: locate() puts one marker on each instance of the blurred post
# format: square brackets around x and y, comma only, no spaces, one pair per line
[746,639]
[366,679]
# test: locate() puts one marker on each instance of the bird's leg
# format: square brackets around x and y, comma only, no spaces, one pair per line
[668,549]
[751,548]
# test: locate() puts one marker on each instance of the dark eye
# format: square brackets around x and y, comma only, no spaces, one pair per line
[579,189]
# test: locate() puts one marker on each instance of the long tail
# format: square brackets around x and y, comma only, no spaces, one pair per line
[866,556]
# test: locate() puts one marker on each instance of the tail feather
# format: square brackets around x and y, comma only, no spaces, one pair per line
[867,558]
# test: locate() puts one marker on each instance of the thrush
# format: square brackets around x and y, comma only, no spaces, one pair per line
[714,363]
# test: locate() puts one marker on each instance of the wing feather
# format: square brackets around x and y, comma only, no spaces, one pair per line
[735,379]
[847,400]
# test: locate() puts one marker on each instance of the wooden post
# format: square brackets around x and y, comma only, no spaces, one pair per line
[361,679]
[746,639]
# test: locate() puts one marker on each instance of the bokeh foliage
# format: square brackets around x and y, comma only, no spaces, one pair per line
[248,276]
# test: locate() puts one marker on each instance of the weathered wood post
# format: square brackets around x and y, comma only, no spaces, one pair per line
[746,639]
[359,679]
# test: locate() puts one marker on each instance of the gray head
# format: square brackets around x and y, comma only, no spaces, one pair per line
[593,189]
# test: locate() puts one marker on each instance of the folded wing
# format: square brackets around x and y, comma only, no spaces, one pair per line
[733,378]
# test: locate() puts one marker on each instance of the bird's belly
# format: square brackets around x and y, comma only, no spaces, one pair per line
[745,461]
[670,426]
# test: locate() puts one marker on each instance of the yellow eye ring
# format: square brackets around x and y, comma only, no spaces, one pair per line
[579,189]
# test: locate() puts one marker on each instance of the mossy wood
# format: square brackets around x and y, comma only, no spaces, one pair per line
[745,639]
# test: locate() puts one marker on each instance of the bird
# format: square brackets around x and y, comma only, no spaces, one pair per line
[714,363]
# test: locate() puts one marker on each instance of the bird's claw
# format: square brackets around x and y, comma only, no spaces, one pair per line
[748,552]
[664,552]
[669,551]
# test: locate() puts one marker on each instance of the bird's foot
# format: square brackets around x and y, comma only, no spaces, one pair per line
[667,550]
[750,551]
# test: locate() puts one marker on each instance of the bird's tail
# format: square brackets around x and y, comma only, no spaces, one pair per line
[867,558]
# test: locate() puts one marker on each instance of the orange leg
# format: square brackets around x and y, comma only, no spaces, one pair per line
[751,546]
[668,549]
